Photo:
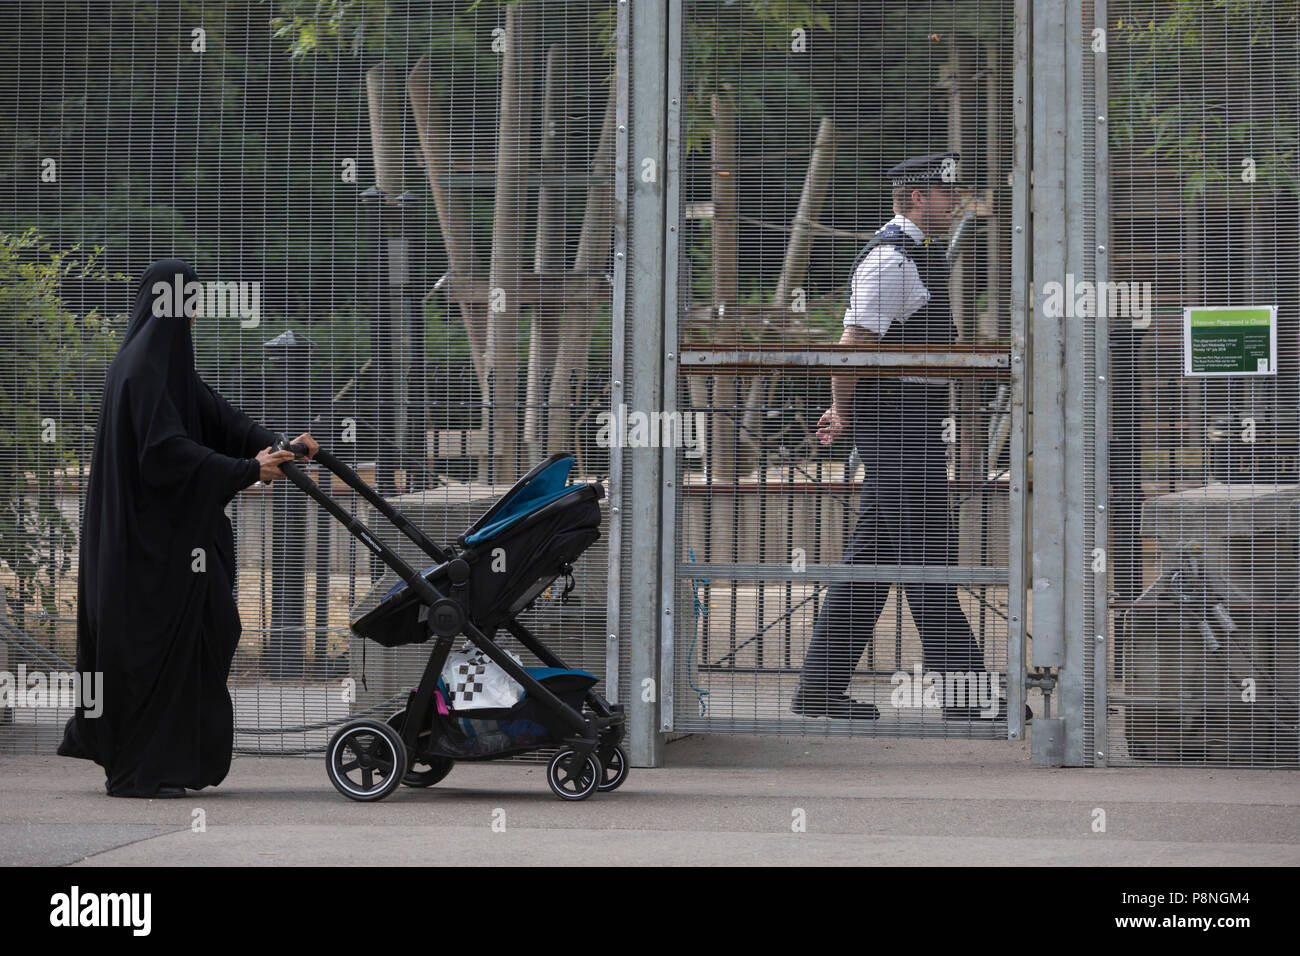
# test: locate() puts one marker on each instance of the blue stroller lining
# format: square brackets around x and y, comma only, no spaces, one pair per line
[537,493]
[542,525]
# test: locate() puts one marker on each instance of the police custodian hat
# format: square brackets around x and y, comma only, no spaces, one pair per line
[920,170]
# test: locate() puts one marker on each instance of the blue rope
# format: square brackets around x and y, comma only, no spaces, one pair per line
[698,611]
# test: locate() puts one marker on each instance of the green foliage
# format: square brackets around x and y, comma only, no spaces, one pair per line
[330,27]
[242,126]
[717,47]
[828,320]
[1201,90]
[52,358]
[384,30]
[445,341]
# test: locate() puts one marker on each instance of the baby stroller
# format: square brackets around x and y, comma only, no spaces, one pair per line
[541,525]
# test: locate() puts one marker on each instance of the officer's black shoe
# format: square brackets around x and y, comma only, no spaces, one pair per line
[980,713]
[842,706]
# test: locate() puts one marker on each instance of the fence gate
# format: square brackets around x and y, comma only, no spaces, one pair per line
[783,125]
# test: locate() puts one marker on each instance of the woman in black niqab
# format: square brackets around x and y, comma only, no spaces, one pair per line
[156,611]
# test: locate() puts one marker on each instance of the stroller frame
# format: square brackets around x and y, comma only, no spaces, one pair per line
[593,744]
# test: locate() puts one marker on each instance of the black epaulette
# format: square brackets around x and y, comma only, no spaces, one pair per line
[891,235]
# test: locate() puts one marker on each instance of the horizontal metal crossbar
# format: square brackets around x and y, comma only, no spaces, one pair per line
[720,487]
[967,362]
[796,726]
[888,573]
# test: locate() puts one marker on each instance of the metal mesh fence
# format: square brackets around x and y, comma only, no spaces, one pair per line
[415,227]
[415,200]
[1203,451]
[842,587]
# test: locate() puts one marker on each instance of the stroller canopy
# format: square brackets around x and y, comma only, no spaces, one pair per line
[530,493]
[534,491]
[544,523]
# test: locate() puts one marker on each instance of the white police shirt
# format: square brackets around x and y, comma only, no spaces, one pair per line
[887,288]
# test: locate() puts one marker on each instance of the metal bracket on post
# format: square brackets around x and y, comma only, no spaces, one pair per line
[1047,743]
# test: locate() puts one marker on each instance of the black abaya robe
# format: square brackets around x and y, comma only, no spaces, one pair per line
[156,611]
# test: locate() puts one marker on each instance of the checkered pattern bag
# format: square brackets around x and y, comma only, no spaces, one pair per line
[475,682]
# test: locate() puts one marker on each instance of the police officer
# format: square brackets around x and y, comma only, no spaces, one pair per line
[899,295]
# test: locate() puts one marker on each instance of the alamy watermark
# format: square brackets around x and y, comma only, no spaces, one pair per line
[979,690]
[208,300]
[133,911]
[53,689]
[1085,299]
[636,429]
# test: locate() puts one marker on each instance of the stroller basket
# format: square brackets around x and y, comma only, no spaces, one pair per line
[531,536]
[501,732]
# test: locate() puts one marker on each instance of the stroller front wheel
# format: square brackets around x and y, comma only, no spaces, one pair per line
[422,771]
[366,760]
[568,785]
[615,770]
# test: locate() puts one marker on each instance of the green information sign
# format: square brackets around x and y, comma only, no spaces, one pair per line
[1230,340]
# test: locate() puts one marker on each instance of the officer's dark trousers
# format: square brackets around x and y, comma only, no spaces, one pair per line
[904,519]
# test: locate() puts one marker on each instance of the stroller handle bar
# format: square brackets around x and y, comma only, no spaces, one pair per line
[427,592]
[353,481]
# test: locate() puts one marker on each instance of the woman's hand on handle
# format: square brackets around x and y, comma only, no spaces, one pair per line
[313,446]
[269,462]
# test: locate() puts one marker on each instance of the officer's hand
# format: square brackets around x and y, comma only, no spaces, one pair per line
[830,426]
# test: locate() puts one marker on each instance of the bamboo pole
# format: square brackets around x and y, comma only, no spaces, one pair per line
[387,110]
[432,122]
[390,333]
[727,457]
[794,270]
[512,175]
[972,447]
[548,257]
[594,244]
[997,96]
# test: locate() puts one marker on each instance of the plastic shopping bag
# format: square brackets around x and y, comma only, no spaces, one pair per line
[476,682]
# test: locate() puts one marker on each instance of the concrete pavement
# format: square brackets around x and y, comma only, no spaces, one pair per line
[719,800]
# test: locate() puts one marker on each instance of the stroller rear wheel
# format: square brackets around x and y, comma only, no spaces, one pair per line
[568,785]
[615,770]
[421,771]
[366,760]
